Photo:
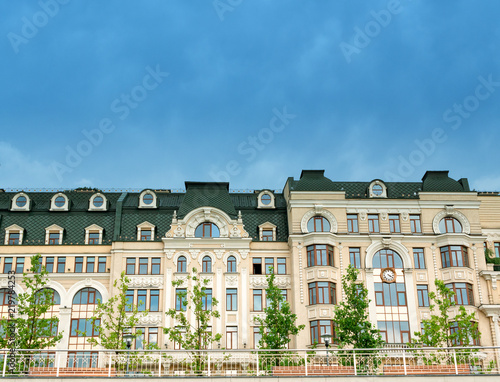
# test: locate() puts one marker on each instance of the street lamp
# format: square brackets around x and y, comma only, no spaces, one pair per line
[326,339]
[128,340]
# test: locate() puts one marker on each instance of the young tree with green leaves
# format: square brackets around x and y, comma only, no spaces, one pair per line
[113,318]
[278,324]
[351,316]
[192,333]
[436,330]
[33,328]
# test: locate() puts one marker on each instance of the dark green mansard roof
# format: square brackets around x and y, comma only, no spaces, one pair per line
[123,215]
[433,181]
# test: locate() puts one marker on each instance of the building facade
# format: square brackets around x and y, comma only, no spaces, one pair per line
[401,236]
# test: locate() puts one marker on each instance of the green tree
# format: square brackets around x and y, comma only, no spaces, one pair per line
[34,330]
[111,319]
[193,333]
[351,316]
[278,324]
[436,330]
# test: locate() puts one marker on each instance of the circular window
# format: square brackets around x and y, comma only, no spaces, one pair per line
[147,199]
[98,201]
[21,201]
[60,201]
[265,199]
[377,190]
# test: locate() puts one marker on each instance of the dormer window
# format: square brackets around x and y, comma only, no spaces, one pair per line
[59,202]
[20,202]
[147,199]
[98,202]
[377,189]
[54,235]
[145,231]
[267,232]
[266,199]
[93,235]
[14,235]
[207,230]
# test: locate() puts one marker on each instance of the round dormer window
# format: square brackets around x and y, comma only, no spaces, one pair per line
[377,189]
[60,201]
[265,199]
[21,201]
[147,199]
[98,201]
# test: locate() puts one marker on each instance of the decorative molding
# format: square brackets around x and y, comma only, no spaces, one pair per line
[490,275]
[219,253]
[182,278]
[449,211]
[145,282]
[169,253]
[244,253]
[260,281]
[232,280]
[194,253]
[207,281]
[318,211]
[207,214]
[235,232]
[150,319]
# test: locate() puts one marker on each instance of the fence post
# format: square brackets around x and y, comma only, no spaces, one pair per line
[455,360]
[258,371]
[355,368]
[209,364]
[110,362]
[4,364]
[305,361]
[404,360]
[58,358]
[159,365]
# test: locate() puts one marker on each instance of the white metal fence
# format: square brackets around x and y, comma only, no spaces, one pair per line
[300,362]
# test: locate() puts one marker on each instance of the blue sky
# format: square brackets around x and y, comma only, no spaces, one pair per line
[129,94]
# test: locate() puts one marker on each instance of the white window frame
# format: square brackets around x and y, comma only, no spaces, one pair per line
[104,206]
[267,226]
[145,225]
[15,207]
[262,205]
[378,183]
[54,228]
[53,206]
[12,229]
[93,228]
[144,205]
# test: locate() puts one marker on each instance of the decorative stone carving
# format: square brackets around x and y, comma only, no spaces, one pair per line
[194,253]
[254,316]
[235,232]
[404,216]
[386,242]
[362,215]
[261,281]
[450,211]
[145,282]
[179,231]
[322,212]
[231,280]
[207,281]
[383,216]
[219,253]
[88,282]
[150,319]
[170,253]
[243,253]
[181,278]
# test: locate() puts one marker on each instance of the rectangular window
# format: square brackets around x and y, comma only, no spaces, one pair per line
[390,294]
[355,257]
[49,264]
[394,332]
[373,226]
[352,223]
[94,238]
[269,265]
[61,264]
[139,338]
[14,238]
[101,265]
[143,265]
[129,300]
[423,295]
[145,235]
[394,223]
[281,265]
[257,300]
[454,256]
[20,265]
[256,337]
[7,265]
[497,249]
[142,295]
[231,337]
[155,265]
[131,266]
[322,292]
[415,224]
[180,298]
[319,254]
[206,301]
[53,238]
[418,258]
[153,336]
[90,264]
[231,299]
[463,293]
[320,327]
[78,264]
[257,265]
[267,235]
[154,300]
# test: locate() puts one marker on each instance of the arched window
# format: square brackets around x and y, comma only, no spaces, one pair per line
[450,225]
[231,264]
[87,296]
[50,294]
[182,264]
[318,224]
[206,265]
[206,230]
[387,258]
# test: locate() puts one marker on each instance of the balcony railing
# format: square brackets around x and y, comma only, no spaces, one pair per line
[209,363]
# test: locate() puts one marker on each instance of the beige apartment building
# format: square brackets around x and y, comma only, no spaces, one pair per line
[401,236]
